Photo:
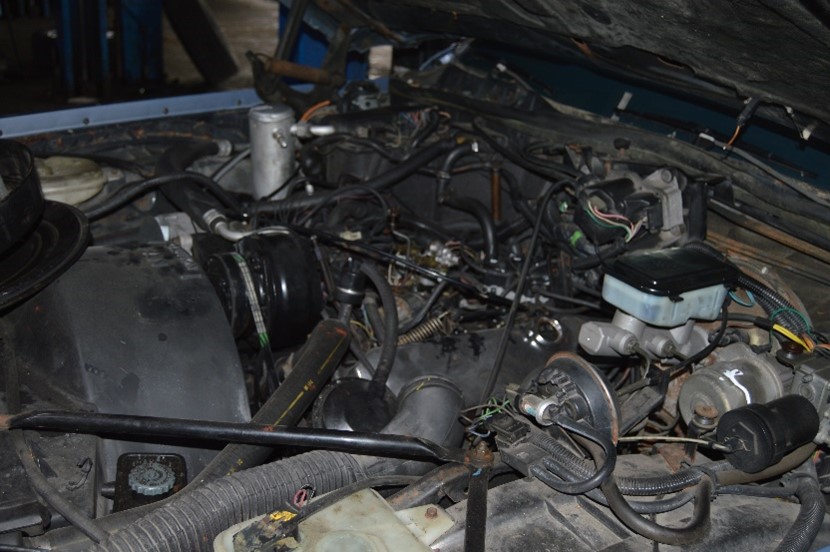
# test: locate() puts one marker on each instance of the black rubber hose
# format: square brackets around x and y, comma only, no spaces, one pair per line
[658,506]
[346,190]
[482,215]
[370,302]
[757,490]
[459,151]
[390,324]
[695,530]
[49,494]
[180,156]
[379,183]
[193,520]
[428,129]
[313,366]
[176,159]
[407,168]
[419,316]
[137,189]
[810,517]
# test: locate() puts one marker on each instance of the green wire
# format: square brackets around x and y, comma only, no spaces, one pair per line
[794,311]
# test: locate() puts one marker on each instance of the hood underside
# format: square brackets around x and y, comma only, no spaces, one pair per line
[776,51]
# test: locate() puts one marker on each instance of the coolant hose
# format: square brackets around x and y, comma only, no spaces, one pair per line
[181,156]
[313,366]
[810,517]
[480,212]
[696,529]
[176,159]
[390,324]
[459,151]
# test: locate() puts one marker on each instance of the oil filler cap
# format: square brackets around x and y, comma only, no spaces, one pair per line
[151,479]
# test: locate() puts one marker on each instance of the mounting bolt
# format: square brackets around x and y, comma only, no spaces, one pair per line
[706,411]
[431,513]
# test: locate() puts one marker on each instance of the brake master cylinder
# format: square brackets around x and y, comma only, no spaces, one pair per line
[659,294]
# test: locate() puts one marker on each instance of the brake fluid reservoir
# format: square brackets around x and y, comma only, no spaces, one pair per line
[668,287]
[71,180]
[272,149]
[361,522]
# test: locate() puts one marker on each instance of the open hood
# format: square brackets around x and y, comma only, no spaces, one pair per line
[778,52]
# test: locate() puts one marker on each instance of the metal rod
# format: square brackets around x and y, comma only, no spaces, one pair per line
[294,21]
[373,444]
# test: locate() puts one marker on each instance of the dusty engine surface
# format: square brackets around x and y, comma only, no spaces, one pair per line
[396,324]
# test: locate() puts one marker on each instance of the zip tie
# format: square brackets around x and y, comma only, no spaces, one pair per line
[250,292]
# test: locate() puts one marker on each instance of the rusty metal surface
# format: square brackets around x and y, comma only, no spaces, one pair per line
[782,238]
[358,17]
[293,70]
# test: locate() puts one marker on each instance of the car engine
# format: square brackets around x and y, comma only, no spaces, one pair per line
[438,315]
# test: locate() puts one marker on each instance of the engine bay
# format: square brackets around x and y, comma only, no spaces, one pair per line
[443,315]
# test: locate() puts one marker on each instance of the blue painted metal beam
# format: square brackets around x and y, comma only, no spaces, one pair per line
[85,117]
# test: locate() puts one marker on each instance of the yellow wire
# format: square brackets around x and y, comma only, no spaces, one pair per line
[790,335]
[364,327]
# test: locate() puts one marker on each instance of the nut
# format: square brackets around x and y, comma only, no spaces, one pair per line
[706,411]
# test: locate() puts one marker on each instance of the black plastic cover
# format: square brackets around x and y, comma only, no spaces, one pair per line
[761,434]
[670,272]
